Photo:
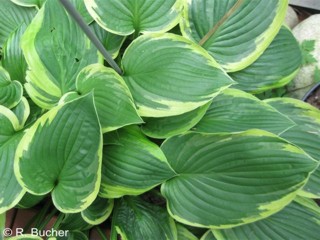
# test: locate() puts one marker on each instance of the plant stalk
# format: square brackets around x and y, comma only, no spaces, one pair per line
[85,28]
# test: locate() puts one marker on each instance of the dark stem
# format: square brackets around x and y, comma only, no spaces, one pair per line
[85,28]
[14,216]
[222,20]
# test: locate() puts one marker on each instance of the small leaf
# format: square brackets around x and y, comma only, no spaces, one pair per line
[307,47]
[135,219]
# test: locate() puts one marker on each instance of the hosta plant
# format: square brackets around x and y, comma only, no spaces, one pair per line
[176,146]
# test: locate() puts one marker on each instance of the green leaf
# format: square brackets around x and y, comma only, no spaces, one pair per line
[11,17]
[13,60]
[22,111]
[98,211]
[295,222]
[306,134]
[74,222]
[307,47]
[184,233]
[124,17]
[235,32]
[10,91]
[236,111]
[135,219]
[51,42]
[276,67]
[168,75]
[208,236]
[132,166]
[68,160]
[25,237]
[115,109]
[317,75]
[29,3]
[71,235]
[28,200]
[110,41]
[2,223]
[170,126]
[10,136]
[229,180]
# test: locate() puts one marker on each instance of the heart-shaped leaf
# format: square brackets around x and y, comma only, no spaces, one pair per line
[116,108]
[235,32]
[10,91]
[51,42]
[228,180]
[169,75]
[132,164]
[124,17]
[61,153]
[236,111]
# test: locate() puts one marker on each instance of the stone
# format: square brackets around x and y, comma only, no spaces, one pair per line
[292,18]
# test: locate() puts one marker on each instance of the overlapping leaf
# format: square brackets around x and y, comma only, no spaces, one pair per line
[98,211]
[235,32]
[236,111]
[184,233]
[10,136]
[169,75]
[124,17]
[228,180]
[56,50]
[135,219]
[29,3]
[274,68]
[11,17]
[61,153]
[132,164]
[10,91]
[112,97]
[297,221]
[306,134]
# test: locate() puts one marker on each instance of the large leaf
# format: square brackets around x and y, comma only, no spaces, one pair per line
[98,211]
[235,32]
[124,17]
[133,165]
[228,180]
[169,126]
[10,91]
[56,49]
[274,68]
[297,221]
[236,111]
[61,153]
[29,3]
[135,219]
[10,136]
[306,134]
[110,41]
[11,17]
[169,75]
[115,109]
[12,59]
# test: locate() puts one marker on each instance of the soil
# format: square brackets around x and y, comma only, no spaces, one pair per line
[314,98]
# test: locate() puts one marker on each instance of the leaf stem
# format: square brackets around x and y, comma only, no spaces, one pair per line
[102,235]
[85,28]
[222,20]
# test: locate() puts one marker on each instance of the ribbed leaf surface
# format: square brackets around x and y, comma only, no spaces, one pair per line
[124,17]
[295,222]
[11,17]
[238,30]
[10,91]
[135,219]
[306,134]
[169,75]
[228,180]
[184,233]
[132,164]
[56,50]
[274,68]
[236,111]
[29,3]
[61,153]
[98,211]
[112,97]
[169,126]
